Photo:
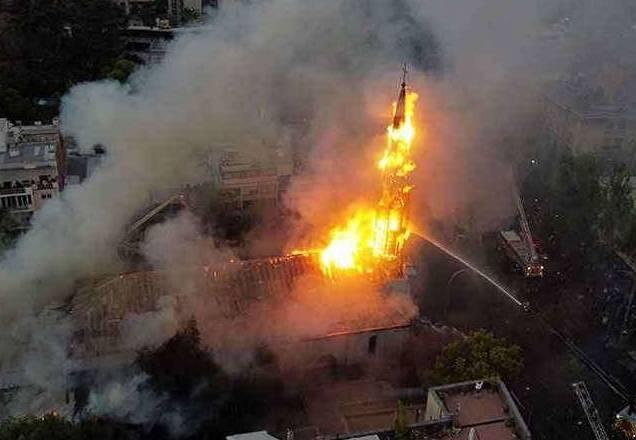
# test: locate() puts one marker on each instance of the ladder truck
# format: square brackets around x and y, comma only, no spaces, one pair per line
[520,247]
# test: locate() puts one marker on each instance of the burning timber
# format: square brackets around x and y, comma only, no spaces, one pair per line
[100,306]
[370,245]
[371,241]
[231,293]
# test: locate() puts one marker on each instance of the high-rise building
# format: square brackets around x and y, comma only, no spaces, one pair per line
[31,160]
[245,182]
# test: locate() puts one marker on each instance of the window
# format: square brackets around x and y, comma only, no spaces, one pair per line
[373,342]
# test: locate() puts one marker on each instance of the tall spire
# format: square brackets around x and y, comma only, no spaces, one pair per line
[398,117]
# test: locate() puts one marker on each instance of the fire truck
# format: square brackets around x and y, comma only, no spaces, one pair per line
[519,246]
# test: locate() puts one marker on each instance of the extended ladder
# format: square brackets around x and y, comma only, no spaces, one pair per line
[590,410]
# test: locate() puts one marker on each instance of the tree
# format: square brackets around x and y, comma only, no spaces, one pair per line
[617,211]
[180,365]
[629,244]
[160,6]
[120,70]
[223,404]
[400,424]
[15,105]
[574,199]
[7,230]
[190,15]
[54,427]
[50,45]
[480,355]
[149,12]
[49,427]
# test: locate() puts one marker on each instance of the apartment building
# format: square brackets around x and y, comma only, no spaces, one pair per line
[31,157]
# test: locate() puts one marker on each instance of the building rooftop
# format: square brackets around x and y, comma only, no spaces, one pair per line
[369,317]
[485,405]
[493,431]
[27,146]
[31,155]
[243,290]
[257,435]
[476,408]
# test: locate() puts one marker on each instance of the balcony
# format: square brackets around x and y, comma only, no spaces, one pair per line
[14,191]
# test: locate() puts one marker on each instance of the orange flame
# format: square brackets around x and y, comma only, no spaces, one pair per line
[347,245]
[374,235]
[397,154]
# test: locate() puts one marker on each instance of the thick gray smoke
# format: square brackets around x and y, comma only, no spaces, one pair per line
[244,82]
[485,113]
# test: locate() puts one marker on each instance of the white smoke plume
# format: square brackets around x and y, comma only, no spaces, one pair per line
[129,397]
[150,329]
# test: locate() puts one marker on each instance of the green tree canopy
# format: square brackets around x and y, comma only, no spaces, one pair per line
[576,199]
[400,424]
[49,45]
[7,230]
[180,365]
[617,211]
[223,404]
[53,427]
[190,15]
[120,70]
[480,355]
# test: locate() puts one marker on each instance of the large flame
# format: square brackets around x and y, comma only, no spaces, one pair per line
[348,245]
[376,235]
[397,154]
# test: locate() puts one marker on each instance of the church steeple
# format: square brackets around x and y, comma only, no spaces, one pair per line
[400,107]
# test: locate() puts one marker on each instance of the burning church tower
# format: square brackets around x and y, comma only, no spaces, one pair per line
[391,227]
[372,240]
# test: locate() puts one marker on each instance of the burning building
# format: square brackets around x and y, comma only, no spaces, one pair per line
[344,303]
[100,306]
[256,299]
[372,241]
[369,246]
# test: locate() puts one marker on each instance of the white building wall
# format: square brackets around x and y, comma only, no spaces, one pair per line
[435,408]
[345,349]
